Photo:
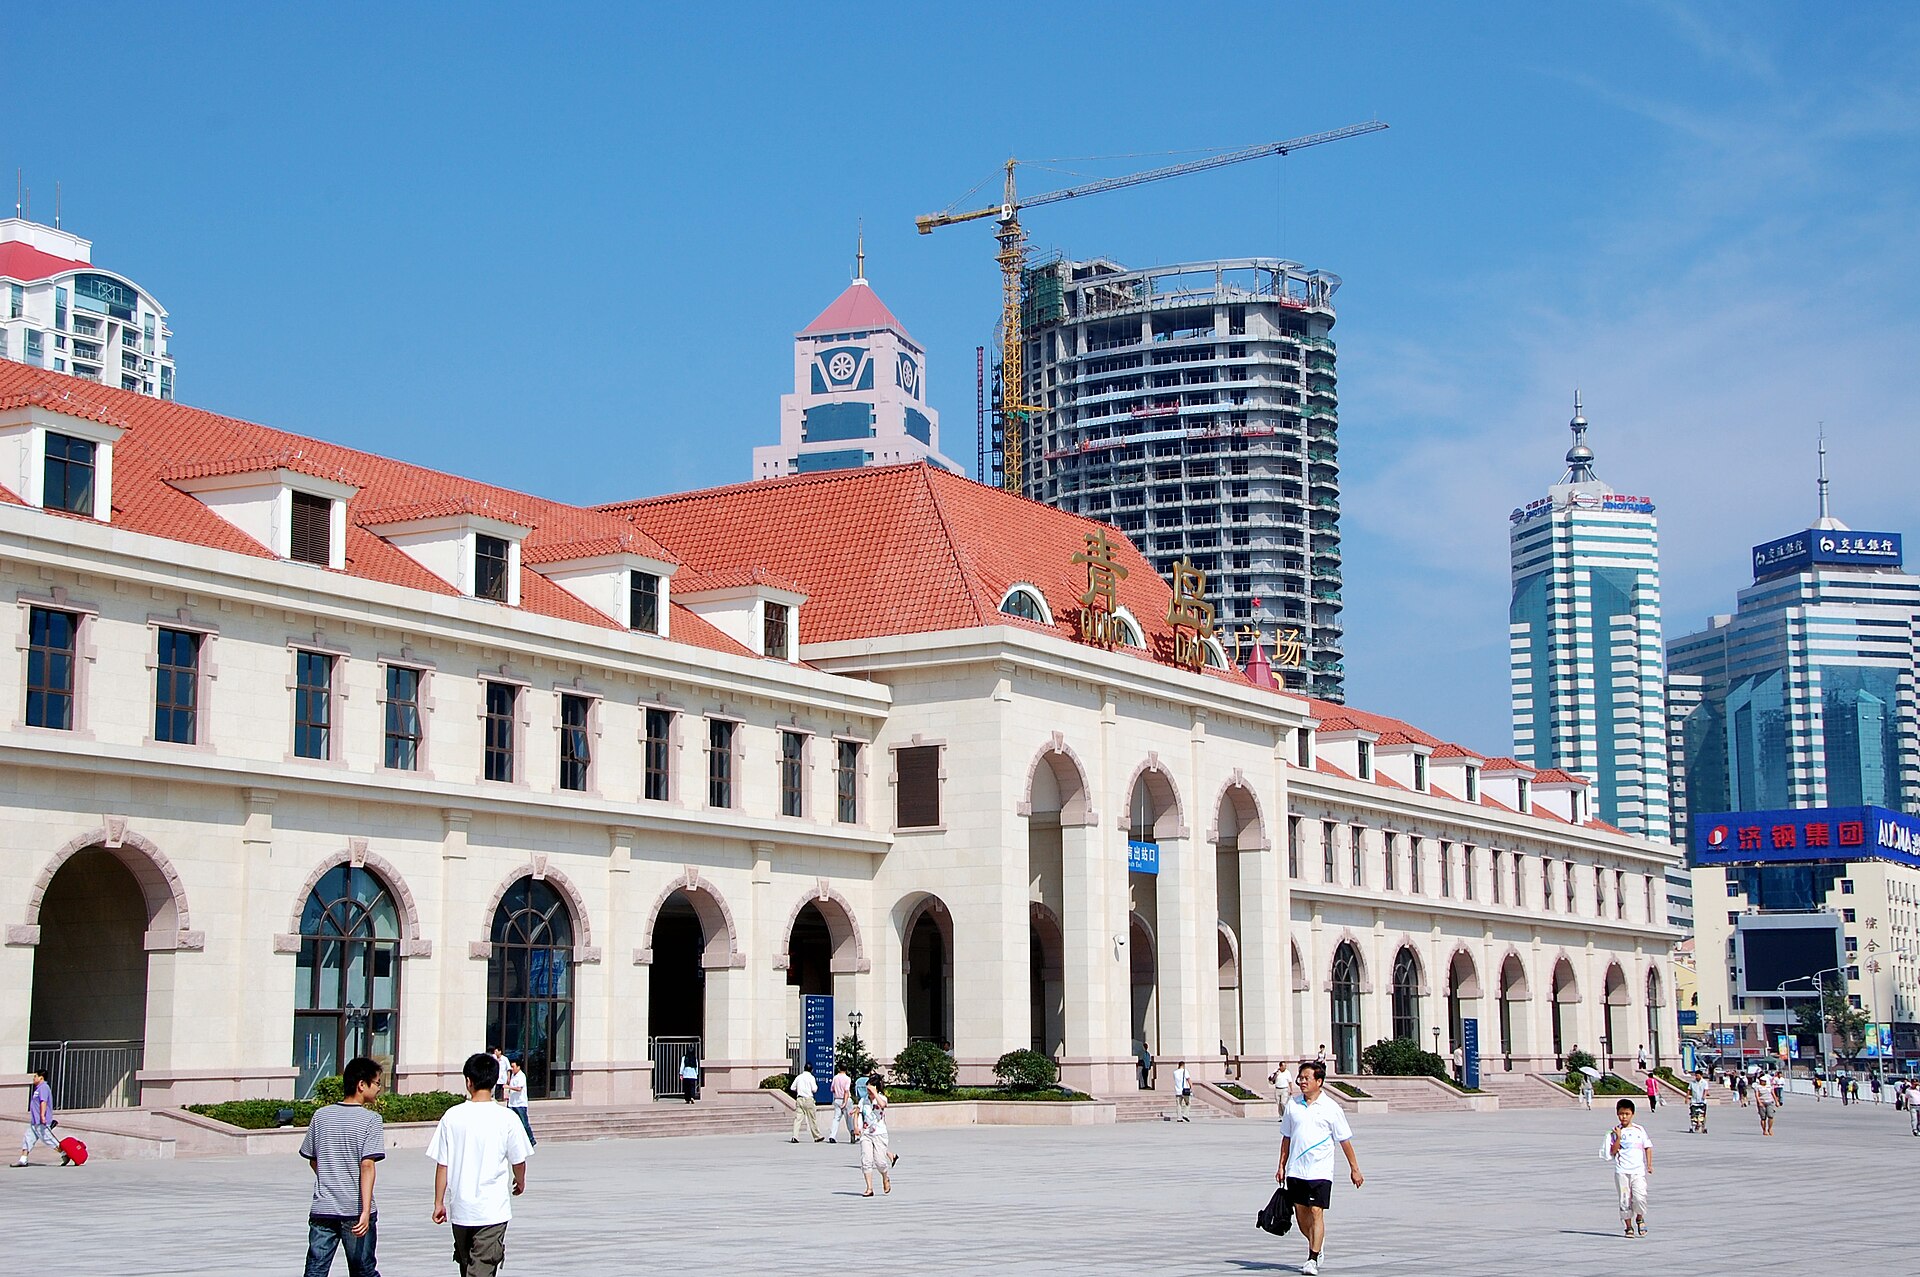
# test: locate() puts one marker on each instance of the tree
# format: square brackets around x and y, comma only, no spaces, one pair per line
[1836,1015]
[850,1056]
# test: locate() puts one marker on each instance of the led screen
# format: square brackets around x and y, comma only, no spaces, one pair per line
[1775,955]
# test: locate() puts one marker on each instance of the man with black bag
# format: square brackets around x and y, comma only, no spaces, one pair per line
[1309,1132]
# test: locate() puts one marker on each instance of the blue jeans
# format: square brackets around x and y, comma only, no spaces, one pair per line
[326,1233]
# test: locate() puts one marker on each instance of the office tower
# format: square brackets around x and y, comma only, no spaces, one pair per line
[1585,634]
[1804,695]
[59,311]
[1194,406]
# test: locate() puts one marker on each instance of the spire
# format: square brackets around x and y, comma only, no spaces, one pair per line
[860,254]
[1826,522]
[1579,456]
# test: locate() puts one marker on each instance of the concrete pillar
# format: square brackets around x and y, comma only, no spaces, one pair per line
[1092,964]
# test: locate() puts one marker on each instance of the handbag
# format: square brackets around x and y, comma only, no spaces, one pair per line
[1276,1216]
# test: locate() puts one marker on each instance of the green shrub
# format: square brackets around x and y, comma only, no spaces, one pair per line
[328,1090]
[1238,1091]
[923,1066]
[850,1057]
[776,1081]
[422,1106]
[1401,1057]
[1576,1061]
[264,1115]
[1348,1089]
[1051,1094]
[1025,1071]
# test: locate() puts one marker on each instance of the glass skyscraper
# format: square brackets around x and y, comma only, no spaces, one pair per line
[1585,641]
[1804,696]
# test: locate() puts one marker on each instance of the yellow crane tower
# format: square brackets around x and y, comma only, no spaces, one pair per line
[1013,262]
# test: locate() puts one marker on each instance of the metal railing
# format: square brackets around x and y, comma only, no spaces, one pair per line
[90,1074]
[668,1055]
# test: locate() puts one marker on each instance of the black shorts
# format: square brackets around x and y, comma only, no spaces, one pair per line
[1310,1192]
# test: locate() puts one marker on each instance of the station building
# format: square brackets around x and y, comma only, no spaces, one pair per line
[312,753]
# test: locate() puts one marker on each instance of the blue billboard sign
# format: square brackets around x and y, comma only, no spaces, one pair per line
[1826,546]
[1143,857]
[816,1013]
[1810,833]
[1689,1019]
[1470,1053]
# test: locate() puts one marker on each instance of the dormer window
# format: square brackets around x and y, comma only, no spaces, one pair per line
[776,630]
[1025,602]
[1473,784]
[1420,773]
[311,530]
[643,602]
[491,560]
[1303,747]
[68,481]
[1526,795]
[1364,759]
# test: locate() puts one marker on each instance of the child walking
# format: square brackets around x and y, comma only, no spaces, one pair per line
[1631,1150]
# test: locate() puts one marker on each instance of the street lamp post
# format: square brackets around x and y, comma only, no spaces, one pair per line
[1820,1001]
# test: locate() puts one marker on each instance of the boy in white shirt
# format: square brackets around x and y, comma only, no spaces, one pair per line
[481,1155]
[1631,1149]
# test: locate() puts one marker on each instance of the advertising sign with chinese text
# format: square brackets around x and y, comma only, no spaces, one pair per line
[1810,833]
[1822,546]
[1143,857]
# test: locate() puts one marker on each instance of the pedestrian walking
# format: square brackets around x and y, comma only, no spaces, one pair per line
[1145,1059]
[1313,1126]
[1763,1101]
[480,1165]
[500,1062]
[804,1089]
[1280,1078]
[1741,1086]
[1853,1089]
[40,1121]
[1873,1084]
[1697,1103]
[876,1158]
[689,1077]
[1631,1150]
[1459,1066]
[1182,1093]
[1653,1094]
[1586,1090]
[344,1144]
[517,1098]
[842,1087]
[1643,1059]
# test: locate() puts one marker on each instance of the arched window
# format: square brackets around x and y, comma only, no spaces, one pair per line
[346,995]
[1129,629]
[1346,1008]
[530,986]
[1406,995]
[1025,602]
[1215,657]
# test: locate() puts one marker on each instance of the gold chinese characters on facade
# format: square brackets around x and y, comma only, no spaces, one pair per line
[1100,604]
[1190,615]
[1287,649]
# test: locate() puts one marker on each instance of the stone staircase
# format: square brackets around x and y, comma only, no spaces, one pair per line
[662,1118]
[1152,1106]
[1527,1090]
[1413,1094]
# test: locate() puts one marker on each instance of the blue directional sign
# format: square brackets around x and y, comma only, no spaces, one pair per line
[1143,857]
[1470,1049]
[817,1040]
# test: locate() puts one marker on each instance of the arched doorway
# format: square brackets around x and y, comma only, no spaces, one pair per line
[1143,984]
[1463,986]
[1345,1008]
[1566,992]
[1406,995]
[530,985]
[346,992]
[90,982]
[1656,1003]
[928,986]
[1614,996]
[1232,1032]
[677,988]
[1513,989]
[1046,1001]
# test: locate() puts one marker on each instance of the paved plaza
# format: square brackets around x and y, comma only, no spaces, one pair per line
[1507,1193]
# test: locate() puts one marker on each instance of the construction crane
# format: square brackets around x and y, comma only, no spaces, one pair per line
[1013,262]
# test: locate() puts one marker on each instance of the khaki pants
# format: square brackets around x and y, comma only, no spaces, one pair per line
[1633,1195]
[804,1119]
[1182,1105]
[479,1251]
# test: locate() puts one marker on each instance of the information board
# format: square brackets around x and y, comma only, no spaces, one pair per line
[1470,1048]
[817,1042]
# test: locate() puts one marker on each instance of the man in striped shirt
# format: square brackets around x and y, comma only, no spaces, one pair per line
[343,1143]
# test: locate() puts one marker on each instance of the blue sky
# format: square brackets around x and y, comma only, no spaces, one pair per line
[566,247]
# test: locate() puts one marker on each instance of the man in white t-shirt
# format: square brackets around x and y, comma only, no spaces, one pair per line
[805,1087]
[1309,1132]
[480,1154]
[1631,1149]
[1182,1093]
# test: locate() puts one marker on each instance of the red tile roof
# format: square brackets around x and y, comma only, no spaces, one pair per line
[26,263]
[292,459]
[162,437]
[900,550]
[859,309]
[1554,776]
[691,580]
[1447,749]
[1504,764]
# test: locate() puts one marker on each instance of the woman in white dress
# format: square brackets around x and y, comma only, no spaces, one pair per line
[874,1153]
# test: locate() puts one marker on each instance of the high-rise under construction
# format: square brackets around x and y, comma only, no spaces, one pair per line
[1194,407]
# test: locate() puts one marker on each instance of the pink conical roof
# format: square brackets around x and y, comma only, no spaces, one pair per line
[859,309]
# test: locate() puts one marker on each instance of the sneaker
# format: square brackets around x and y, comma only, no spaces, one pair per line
[794,1140]
[21,1162]
[1311,1268]
[832,1140]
